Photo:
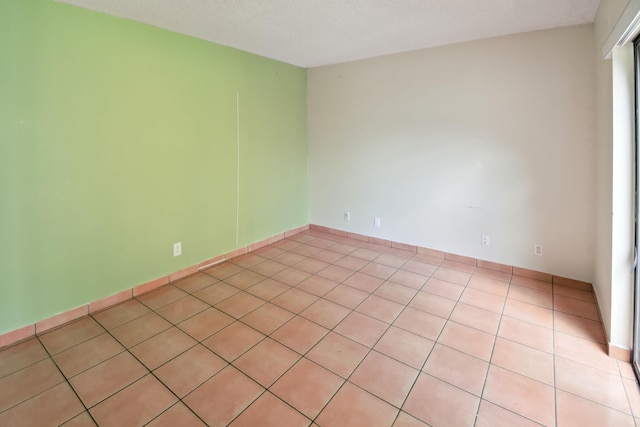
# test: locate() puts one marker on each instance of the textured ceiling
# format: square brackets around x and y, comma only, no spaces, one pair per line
[311,33]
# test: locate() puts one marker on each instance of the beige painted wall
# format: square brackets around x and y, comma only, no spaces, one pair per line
[491,137]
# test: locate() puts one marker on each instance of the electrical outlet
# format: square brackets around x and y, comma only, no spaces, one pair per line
[177,249]
[537,249]
[377,222]
[347,216]
[484,240]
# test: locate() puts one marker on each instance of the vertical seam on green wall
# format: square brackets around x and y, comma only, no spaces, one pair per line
[237,167]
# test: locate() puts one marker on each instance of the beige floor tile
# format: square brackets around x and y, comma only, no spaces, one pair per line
[522,395]
[266,361]
[307,387]
[531,283]
[456,262]
[360,328]
[338,354]
[216,293]
[478,318]
[451,275]
[232,341]
[136,404]
[491,273]
[267,318]
[335,273]
[177,415]
[443,288]
[270,267]
[483,300]
[52,407]
[161,296]
[433,304]
[287,258]
[457,368]
[380,308]
[107,378]
[584,351]
[579,326]
[378,270]
[82,420]
[418,267]
[576,307]
[140,329]
[326,256]
[317,286]
[591,383]
[351,263]
[239,305]
[405,346]
[409,279]
[206,323]
[28,382]
[223,270]
[291,276]
[71,334]
[222,398]
[189,370]
[364,282]
[163,347]
[467,340]
[385,378]
[421,323]
[527,361]
[406,420]
[354,407]
[391,260]
[529,313]
[269,411]
[438,403]
[299,334]
[489,285]
[182,309]
[87,354]
[325,313]
[245,278]
[120,314]
[395,292]
[311,265]
[248,260]
[270,252]
[587,296]
[20,356]
[366,254]
[526,333]
[346,296]
[531,296]
[491,415]
[294,300]
[268,289]
[576,411]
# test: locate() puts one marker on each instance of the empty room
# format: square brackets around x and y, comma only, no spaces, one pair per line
[299,213]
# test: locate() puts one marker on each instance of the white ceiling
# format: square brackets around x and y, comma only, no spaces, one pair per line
[311,33]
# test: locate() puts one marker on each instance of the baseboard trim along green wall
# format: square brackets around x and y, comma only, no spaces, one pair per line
[103,303]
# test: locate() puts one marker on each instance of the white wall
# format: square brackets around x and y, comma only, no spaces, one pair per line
[614,227]
[489,137]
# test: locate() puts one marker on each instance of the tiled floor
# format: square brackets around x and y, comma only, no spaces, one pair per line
[335,332]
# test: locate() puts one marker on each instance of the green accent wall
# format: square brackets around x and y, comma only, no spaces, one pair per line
[118,139]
